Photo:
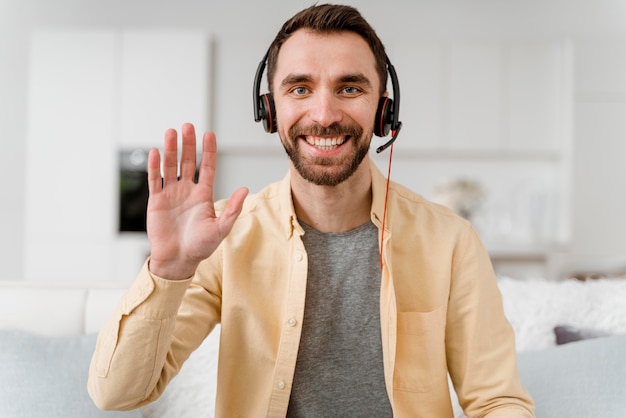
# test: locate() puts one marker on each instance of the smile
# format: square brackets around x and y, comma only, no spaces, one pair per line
[325,143]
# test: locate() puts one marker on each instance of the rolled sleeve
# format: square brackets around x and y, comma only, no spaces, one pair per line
[154,297]
[141,328]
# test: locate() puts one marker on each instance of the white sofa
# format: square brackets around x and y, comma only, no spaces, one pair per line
[57,309]
[47,335]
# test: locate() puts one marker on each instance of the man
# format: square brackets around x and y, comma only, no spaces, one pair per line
[336,294]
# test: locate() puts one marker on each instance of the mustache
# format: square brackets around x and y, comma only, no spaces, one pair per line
[332,130]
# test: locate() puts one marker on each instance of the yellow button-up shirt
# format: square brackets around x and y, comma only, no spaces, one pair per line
[440,308]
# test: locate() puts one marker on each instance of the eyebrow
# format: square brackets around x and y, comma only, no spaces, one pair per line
[292,79]
[356,78]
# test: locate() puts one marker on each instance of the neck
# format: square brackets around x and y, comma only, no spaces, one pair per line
[338,208]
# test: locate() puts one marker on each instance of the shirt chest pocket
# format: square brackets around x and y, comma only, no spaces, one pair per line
[420,350]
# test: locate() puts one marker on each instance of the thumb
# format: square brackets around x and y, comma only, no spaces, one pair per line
[232,210]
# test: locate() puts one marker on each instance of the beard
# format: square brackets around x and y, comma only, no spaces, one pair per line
[323,171]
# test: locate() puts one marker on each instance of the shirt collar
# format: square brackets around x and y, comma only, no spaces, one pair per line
[379,191]
[288,212]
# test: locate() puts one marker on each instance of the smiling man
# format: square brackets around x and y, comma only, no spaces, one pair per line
[327,98]
[338,293]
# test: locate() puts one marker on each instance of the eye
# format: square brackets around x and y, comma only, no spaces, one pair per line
[351,90]
[299,91]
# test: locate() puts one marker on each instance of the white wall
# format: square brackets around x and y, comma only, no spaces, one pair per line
[600,151]
[243,29]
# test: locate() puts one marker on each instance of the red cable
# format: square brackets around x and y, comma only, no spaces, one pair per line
[382,238]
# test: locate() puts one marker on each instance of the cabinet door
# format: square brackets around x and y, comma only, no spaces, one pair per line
[476,85]
[539,96]
[70,173]
[164,82]
[422,75]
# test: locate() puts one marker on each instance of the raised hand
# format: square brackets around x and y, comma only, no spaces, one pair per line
[182,226]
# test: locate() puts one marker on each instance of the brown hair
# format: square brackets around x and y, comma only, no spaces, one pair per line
[330,18]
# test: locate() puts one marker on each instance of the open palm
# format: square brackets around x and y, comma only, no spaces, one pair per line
[182,225]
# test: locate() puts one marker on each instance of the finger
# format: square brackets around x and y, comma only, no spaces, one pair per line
[155,182]
[208,162]
[170,157]
[232,210]
[188,156]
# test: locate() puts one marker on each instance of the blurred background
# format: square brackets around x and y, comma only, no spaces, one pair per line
[514,114]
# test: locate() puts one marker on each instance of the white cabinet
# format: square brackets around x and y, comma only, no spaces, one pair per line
[164,82]
[539,97]
[494,97]
[475,97]
[600,130]
[70,173]
[92,93]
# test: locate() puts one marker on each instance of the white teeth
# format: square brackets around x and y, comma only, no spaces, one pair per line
[325,143]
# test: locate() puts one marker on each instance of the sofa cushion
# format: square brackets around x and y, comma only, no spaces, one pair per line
[99,306]
[45,310]
[569,334]
[578,380]
[46,377]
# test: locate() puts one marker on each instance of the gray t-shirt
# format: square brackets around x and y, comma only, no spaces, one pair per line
[339,370]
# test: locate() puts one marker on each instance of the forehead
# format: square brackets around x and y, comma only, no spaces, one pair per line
[325,54]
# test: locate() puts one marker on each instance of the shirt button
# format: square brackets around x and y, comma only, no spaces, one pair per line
[280,384]
[299,257]
[292,322]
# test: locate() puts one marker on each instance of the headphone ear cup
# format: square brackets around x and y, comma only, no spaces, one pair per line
[384,116]
[267,112]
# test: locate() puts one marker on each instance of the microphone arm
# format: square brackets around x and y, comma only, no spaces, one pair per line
[394,135]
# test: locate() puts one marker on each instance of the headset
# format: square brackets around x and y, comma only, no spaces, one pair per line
[386,119]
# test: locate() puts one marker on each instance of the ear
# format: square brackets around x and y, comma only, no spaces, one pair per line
[384,116]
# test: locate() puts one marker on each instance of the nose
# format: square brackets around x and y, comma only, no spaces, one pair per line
[326,109]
